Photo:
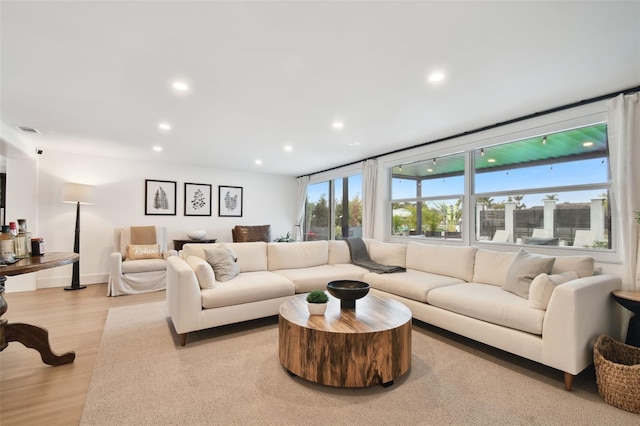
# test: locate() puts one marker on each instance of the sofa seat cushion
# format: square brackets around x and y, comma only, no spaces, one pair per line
[317,277]
[143,265]
[489,303]
[353,269]
[411,284]
[247,287]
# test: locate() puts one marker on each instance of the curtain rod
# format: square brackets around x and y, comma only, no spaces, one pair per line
[492,126]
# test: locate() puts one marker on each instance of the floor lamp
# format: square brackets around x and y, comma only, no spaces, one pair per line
[79,194]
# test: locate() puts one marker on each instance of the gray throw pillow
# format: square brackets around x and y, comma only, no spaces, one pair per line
[224,263]
[524,268]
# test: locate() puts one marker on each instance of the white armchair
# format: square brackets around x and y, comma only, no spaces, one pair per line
[129,276]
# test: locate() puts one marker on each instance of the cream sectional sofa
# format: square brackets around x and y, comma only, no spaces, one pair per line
[459,289]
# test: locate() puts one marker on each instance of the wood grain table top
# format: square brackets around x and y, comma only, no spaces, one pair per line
[37,263]
[372,313]
[628,294]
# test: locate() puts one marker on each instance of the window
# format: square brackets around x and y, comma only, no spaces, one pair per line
[427,197]
[547,190]
[334,209]
[550,189]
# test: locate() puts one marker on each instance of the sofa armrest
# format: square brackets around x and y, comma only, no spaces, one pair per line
[578,312]
[183,296]
[168,253]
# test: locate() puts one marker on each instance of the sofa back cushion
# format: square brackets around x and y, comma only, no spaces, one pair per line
[394,254]
[491,266]
[252,257]
[339,252]
[582,265]
[451,261]
[302,254]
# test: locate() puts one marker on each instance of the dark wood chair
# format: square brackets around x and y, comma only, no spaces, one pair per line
[246,234]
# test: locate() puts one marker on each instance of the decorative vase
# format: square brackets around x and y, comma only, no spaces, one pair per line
[317,308]
[197,235]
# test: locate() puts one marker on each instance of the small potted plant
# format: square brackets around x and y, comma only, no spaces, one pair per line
[317,302]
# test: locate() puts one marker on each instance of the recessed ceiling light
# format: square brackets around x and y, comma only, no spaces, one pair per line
[436,77]
[180,86]
[157,148]
[258,162]
[491,160]
[288,148]
[430,170]
[587,144]
[164,126]
[354,144]
[337,125]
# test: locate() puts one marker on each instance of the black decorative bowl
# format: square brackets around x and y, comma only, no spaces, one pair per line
[348,291]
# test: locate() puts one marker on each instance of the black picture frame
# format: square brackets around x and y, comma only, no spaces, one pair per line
[230,201]
[197,199]
[160,197]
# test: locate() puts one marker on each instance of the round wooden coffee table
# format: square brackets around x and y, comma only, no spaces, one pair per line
[365,346]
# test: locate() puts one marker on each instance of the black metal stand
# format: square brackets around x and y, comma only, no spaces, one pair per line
[75,278]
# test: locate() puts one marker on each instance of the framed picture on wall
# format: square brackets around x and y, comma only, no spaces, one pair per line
[197,199]
[160,197]
[230,201]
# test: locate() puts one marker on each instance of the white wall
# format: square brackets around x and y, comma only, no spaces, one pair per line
[120,188]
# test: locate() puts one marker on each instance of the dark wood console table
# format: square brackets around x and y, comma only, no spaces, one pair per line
[177,244]
[30,335]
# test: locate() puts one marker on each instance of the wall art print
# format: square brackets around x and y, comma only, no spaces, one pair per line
[197,199]
[230,201]
[160,197]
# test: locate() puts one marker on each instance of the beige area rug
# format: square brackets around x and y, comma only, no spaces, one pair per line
[232,375]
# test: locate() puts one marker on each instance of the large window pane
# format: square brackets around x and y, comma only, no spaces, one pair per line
[431,192]
[570,167]
[317,218]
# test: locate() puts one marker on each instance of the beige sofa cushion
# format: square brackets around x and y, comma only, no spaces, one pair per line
[411,284]
[317,277]
[252,257]
[582,265]
[338,252]
[203,270]
[297,255]
[489,303]
[491,266]
[543,285]
[143,265]
[394,254]
[247,287]
[440,259]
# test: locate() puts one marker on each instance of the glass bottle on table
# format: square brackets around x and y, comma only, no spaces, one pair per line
[7,245]
[25,239]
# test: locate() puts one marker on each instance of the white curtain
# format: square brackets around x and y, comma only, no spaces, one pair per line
[301,201]
[624,152]
[370,183]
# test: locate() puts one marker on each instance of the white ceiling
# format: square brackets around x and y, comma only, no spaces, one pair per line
[95,77]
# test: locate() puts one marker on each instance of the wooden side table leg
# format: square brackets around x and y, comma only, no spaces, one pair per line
[36,338]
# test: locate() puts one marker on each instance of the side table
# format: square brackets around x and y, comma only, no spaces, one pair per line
[177,244]
[631,301]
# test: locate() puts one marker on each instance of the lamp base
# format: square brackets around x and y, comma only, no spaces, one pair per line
[78,287]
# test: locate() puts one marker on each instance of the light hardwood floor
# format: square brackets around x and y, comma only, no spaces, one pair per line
[33,393]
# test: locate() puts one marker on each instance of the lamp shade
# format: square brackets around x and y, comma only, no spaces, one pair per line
[78,193]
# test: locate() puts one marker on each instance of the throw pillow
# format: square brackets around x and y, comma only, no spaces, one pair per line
[203,270]
[144,251]
[524,268]
[224,262]
[543,285]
